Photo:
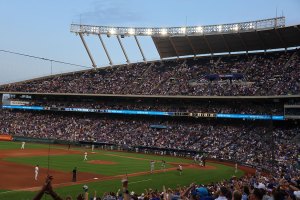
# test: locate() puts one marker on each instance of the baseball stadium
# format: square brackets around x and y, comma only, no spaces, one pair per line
[214,116]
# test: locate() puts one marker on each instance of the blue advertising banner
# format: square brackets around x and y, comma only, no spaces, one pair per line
[23,107]
[156,113]
[247,116]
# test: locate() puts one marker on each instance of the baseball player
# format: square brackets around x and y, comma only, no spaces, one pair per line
[36,172]
[204,161]
[163,165]
[74,172]
[196,158]
[93,146]
[236,168]
[179,169]
[85,156]
[152,166]
[23,145]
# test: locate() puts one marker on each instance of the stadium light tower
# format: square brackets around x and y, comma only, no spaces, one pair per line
[169,32]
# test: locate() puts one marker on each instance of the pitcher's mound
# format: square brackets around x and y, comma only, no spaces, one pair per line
[102,162]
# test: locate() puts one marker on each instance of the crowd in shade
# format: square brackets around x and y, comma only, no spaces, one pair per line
[246,143]
[272,73]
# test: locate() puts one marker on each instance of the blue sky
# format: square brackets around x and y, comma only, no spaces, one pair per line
[41,28]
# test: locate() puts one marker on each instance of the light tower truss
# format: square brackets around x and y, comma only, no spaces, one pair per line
[85,30]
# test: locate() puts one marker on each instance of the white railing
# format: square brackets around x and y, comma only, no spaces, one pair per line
[180,31]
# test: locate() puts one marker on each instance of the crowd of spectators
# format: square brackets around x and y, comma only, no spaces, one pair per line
[273,73]
[246,143]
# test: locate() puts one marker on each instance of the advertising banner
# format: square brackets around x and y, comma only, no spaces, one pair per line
[5,137]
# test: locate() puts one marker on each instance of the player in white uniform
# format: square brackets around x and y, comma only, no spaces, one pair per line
[196,158]
[36,172]
[93,146]
[152,166]
[23,145]
[179,169]
[236,167]
[85,156]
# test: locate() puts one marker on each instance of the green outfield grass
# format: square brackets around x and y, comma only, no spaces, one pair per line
[138,183]
[17,145]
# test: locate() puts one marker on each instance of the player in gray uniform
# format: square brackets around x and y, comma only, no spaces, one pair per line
[152,163]
[179,169]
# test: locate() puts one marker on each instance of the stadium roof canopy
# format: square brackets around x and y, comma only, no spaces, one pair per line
[170,42]
[275,38]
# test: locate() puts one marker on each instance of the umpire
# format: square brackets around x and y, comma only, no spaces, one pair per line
[74,174]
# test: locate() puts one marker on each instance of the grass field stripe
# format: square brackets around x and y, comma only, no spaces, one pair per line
[140,181]
[129,157]
[136,158]
[9,191]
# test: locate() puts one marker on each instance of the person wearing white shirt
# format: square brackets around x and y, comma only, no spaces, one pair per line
[222,195]
[36,172]
[85,156]
[23,145]
[179,169]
